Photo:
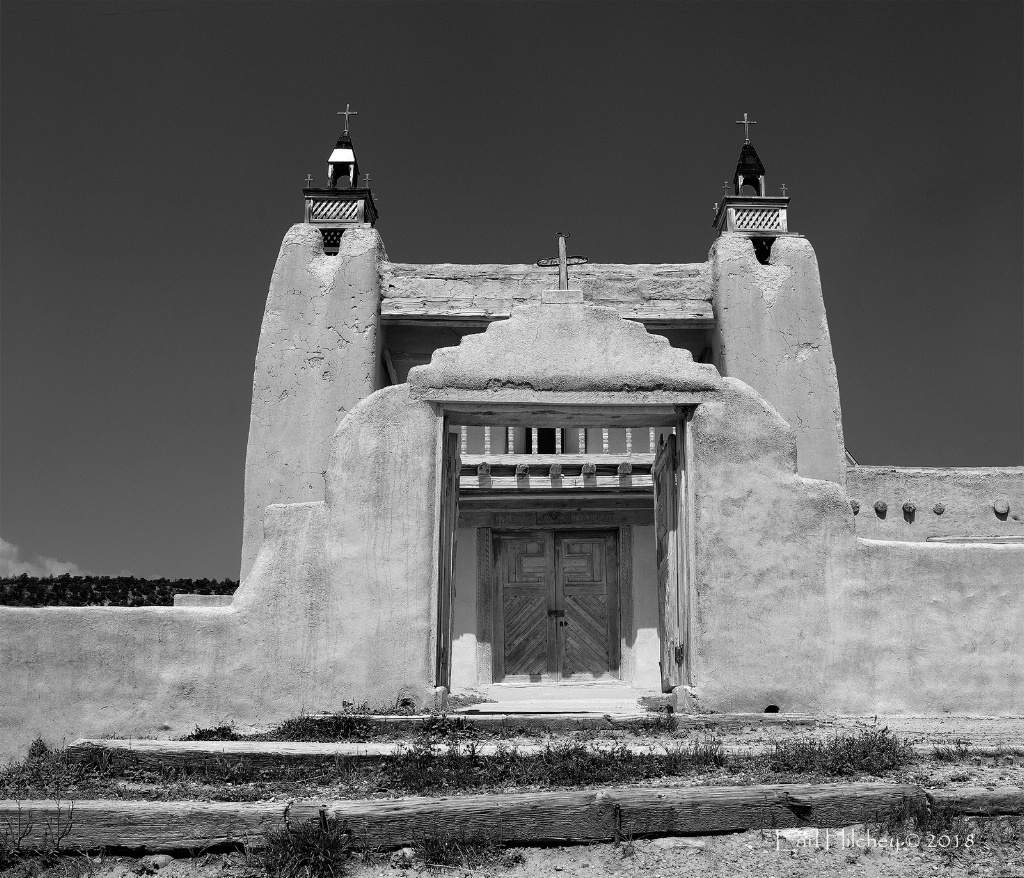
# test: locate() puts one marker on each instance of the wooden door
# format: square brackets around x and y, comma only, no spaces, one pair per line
[669,546]
[557,608]
[448,528]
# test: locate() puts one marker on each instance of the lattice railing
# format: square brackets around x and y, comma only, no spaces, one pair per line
[329,210]
[758,219]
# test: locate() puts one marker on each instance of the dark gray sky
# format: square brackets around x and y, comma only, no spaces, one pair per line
[153,155]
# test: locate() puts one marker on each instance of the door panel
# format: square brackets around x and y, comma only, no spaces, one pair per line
[524,563]
[449,510]
[586,566]
[668,536]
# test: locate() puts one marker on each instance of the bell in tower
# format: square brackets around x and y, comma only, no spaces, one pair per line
[749,211]
[343,204]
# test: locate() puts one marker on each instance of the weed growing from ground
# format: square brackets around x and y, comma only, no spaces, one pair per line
[959,751]
[873,751]
[311,849]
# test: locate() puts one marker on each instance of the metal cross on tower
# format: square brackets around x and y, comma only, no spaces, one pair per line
[725,186]
[346,113]
[746,123]
[563,262]
[783,190]
[366,181]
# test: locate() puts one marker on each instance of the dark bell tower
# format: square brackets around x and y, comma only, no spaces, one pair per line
[344,204]
[750,211]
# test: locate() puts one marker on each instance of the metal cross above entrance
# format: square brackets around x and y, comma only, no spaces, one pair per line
[562,261]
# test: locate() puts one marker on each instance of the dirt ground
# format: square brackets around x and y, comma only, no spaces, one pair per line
[755,854]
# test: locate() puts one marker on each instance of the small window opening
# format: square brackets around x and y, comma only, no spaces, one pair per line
[545,440]
[763,249]
[772,708]
[332,240]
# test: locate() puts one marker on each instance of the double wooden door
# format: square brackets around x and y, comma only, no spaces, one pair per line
[557,605]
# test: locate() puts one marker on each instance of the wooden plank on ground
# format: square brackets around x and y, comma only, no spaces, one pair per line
[514,818]
[153,826]
[980,800]
[192,755]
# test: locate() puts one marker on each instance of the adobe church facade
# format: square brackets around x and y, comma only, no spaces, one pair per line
[467,476]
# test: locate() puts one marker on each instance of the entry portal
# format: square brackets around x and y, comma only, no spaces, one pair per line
[557,605]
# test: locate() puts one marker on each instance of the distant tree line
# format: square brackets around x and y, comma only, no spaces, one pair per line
[103,591]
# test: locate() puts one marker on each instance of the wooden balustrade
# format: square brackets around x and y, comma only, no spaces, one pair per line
[493,440]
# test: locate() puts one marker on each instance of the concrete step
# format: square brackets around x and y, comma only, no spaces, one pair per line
[599,697]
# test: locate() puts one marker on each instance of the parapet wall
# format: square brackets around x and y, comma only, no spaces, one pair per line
[671,293]
[941,503]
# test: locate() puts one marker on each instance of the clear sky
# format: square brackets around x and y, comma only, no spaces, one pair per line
[153,156]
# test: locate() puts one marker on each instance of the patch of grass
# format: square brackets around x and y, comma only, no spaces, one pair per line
[665,723]
[311,849]
[401,707]
[451,851]
[426,769]
[336,727]
[948,833]
[44,774]
[220,733]
[872,751]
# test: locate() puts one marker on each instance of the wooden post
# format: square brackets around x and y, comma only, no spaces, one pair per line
[583,440]
[604,440]
[533,436]
[463,439]
[652,439]
[487,440]
[629,440]
[558,440]
[511,440]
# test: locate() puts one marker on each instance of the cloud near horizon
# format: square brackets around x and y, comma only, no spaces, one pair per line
[11,564]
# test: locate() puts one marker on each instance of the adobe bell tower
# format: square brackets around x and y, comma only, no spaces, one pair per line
[749,211]
[343,204]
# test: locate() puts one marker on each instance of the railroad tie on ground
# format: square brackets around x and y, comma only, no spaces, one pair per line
[513,818]
[268,754]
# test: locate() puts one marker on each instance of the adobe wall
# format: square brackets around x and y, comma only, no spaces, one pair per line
[771,333]
[319,354]
[949,502]
[148,671]
[338,606]
[793,609]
